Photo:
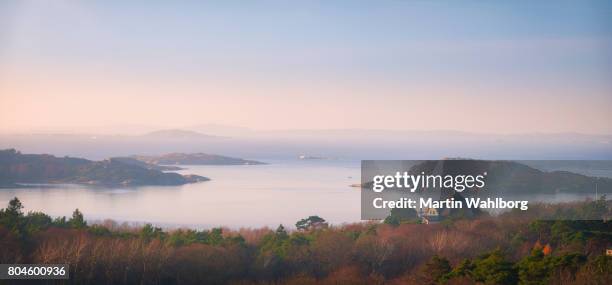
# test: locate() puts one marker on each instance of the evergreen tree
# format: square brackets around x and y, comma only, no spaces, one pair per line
[312,222]
[77,221]
[281,233]
[435,270]
[493,268]
[12,217]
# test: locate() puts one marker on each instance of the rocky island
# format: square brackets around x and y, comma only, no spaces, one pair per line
[17,168]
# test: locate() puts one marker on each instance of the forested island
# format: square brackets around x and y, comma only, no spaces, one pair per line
[17,169]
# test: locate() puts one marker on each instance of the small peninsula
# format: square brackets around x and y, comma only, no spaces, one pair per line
[17,169]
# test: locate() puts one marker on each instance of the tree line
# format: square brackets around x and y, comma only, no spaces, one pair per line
[508,249]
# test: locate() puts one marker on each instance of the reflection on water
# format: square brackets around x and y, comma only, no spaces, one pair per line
[250,195]
[237,196]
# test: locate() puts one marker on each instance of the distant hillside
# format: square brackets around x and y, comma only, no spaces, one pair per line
[509,177]
[16,167]
[133,161]
[194,159]
[177,134]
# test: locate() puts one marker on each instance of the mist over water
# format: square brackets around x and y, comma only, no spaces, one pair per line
[237,196]
[281,192]
[352,144]
[284,191]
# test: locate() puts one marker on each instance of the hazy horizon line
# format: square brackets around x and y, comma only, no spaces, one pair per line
[248,131]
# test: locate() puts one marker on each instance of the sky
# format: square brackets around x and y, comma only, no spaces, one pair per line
[475,66]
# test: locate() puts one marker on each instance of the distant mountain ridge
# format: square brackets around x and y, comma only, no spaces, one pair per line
[346,144]
[178,134]
[16,168]
[194,159]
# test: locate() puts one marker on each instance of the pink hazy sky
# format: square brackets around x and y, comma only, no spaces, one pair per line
[71,66]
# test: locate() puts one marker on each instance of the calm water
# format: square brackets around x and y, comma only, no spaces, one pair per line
[237,196]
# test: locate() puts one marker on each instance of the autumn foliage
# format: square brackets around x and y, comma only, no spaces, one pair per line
[504,250]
